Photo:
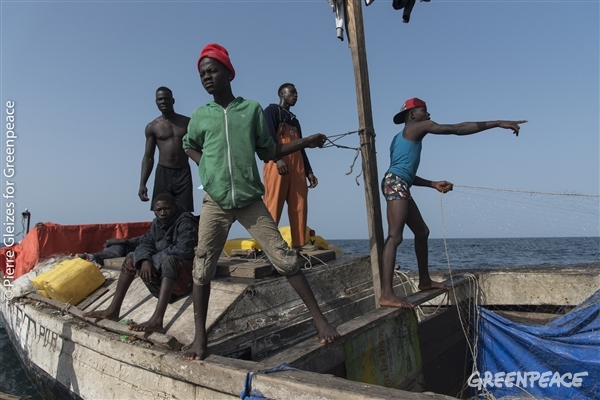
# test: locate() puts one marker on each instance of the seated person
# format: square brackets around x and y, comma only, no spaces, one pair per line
[163,260]
[113,248]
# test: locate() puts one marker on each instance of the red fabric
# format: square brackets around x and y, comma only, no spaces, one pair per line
[48,239]
[219,53]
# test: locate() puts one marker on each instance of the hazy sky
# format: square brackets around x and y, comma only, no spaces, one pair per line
[83,75]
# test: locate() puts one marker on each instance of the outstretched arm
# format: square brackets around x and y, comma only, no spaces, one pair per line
[416,131]
[316,140]
[440,186]
[147,162]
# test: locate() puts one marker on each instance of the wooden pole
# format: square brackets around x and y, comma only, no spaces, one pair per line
[356,38]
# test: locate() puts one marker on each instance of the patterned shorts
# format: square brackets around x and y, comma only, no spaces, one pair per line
[394,188]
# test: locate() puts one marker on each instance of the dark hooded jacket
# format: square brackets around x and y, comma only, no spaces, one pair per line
[177,238]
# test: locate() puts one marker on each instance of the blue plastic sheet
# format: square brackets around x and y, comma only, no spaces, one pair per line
[559,360]
[252,394]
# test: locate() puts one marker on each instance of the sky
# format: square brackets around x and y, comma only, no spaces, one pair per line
[83,74]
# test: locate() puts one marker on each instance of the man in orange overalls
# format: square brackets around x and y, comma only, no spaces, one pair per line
[285,178]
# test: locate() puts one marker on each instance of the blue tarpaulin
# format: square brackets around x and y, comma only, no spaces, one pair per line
[558,360]
[252,394]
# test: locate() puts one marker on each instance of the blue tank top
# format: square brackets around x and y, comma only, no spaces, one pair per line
[405,157]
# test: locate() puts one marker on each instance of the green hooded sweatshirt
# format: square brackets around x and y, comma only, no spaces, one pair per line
[228,139]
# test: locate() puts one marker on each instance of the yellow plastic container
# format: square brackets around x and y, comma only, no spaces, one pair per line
[316,240]
[249,243]
[71,281]
[240,244]
[319,242]
[41,280]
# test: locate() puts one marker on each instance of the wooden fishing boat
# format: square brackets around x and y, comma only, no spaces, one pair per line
[261,337]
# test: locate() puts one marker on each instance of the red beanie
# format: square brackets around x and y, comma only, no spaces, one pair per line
[219,53]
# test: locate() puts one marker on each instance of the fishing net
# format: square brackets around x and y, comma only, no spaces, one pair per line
[541,340]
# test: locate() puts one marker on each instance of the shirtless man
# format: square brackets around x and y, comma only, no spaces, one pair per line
[173,174]
[401,208]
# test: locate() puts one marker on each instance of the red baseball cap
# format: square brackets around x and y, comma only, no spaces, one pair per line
[219,53]
[408,105]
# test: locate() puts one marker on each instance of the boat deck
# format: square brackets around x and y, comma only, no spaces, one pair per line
[238,279]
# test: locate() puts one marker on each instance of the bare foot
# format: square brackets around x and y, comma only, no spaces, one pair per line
[395,301]
[433,285]
[102,314]
[326,333]
[147,326]
[198,351]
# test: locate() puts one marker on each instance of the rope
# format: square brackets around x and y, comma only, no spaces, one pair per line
[309,261]
[414,289]
[528,191]
[357,149]
[338,137]
[468,319]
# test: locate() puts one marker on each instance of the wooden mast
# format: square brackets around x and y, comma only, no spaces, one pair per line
[356,38]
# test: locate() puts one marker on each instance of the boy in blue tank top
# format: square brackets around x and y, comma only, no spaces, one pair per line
[405,155]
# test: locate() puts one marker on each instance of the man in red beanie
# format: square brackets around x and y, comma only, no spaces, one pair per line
[223,138]
[401,208]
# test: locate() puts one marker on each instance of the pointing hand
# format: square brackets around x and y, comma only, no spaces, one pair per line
[514,125]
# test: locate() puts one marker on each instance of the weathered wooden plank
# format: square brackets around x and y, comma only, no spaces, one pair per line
[244,268]
[306,385]
[311,258]
[304,351]
[103,300]
[94,296]
[261,339]
[386,354]
[139,305]
[358,49]
[159,339]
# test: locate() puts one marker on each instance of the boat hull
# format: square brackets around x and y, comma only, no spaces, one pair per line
[68,357]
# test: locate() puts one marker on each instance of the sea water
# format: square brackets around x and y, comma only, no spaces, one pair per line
[443,254]
[488,253]
[13,379]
